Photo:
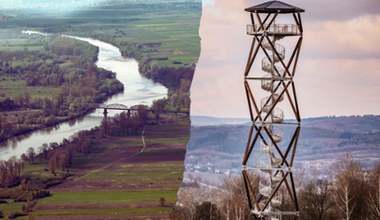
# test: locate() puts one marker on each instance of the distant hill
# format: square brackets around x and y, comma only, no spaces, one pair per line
[197,121]
[220,148]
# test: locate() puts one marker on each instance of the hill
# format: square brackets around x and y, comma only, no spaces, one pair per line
[219,149]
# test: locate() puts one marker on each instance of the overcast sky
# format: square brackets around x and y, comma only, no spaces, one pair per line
[338,71]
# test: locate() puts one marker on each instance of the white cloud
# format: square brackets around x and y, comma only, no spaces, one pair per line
[337,73]
[355,38]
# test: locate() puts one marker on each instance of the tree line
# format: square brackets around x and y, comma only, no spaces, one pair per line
[352,192]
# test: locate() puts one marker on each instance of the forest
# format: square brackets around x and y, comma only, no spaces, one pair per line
[65,67]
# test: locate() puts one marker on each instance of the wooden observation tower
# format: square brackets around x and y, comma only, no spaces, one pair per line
[269,86]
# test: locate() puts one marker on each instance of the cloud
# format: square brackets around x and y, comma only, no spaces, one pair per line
[356,38]
[327,10]
[338,67]
[338,87]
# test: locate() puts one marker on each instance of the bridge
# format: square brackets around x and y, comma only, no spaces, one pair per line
[135,108]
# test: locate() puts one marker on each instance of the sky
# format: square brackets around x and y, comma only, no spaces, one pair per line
[339,68]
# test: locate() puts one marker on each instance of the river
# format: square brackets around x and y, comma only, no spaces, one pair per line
[137,90]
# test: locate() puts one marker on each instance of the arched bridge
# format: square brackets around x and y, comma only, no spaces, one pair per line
[135,108]
[114,106]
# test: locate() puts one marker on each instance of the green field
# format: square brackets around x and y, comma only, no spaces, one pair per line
[13,87]
[173,25]
[120,178]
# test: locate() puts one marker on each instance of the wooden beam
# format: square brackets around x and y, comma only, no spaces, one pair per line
[297,56]
[276,146]
[247,190]
[295,146]
[246,157]
[248,141]
[249,101]
[245,174]
[300,21]
[275,191]
[253,100]
[298,116]
[253,57]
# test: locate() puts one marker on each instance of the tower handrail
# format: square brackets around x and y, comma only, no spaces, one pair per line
[291,29]
[279,48]
[266,66]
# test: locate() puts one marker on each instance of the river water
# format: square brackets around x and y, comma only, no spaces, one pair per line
[137,90]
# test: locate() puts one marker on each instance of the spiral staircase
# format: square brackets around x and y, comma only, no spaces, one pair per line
[270,163]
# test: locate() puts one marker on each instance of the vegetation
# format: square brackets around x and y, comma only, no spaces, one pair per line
[64,71]
[59,78]
[162,36]
[104,158]
[352,193]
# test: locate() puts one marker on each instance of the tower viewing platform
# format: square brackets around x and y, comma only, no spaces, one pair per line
[275,7]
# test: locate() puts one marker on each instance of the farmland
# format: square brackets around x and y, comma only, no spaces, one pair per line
[119,177]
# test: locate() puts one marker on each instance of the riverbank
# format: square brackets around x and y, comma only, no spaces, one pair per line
[121,176]
[138,90]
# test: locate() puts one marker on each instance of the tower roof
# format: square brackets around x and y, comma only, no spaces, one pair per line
[273,7]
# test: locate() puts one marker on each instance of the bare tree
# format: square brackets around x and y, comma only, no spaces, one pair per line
[207,211]
[234,200]
[350,188]
[344,200]
[191,197]
[374,194]
[316,199]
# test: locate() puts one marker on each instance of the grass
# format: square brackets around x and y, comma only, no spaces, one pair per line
[126,188]
[11,206]
[68,212]
[175,26]
[109,197]
[156,175]
[13,87]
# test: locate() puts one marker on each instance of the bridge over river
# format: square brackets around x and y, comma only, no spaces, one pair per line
[134,109]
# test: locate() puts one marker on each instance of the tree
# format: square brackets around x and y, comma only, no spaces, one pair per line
[63,160]
[374,193]
[143,114]
[180,213]
[207,211]
[31,154]
[52,163]
[162,201]
[158,106]
[316,199]
[350,188]
[344,200]
[235,196]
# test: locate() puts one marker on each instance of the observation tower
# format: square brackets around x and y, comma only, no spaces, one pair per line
[269,87]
